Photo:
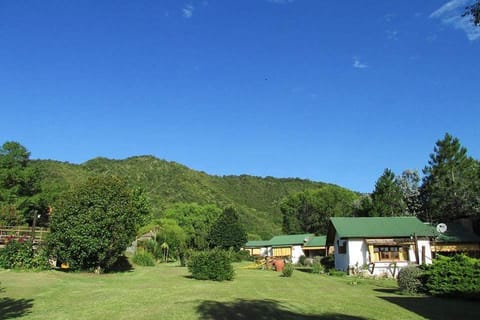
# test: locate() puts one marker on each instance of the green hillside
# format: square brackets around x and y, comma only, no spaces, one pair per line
[167,183]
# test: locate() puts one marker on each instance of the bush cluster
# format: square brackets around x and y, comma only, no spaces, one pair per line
[409,279]
[20,255]
[144,258]
[328,262]
[211,265]
[288,270]
[457,276]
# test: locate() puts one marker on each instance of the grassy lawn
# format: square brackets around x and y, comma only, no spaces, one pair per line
[167,292]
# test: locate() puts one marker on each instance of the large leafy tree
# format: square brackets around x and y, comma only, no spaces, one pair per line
[451,185]
[310,210]
[227,232]
[19,185]
[409,183]
[387,198]
[93,224]
[196,220]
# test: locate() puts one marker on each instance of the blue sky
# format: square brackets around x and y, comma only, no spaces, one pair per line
[325,90]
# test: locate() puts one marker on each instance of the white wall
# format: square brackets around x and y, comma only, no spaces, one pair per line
[341,260]
[428,251]
[357,252]
[297,252]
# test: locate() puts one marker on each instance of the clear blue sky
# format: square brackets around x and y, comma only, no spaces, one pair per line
[332,91]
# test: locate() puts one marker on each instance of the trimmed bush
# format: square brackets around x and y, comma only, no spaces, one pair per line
[144,258]
[409,279]
[211,265]
[457,276]
[288,270]
[301,260]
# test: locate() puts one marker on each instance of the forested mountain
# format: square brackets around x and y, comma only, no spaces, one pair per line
[167,183]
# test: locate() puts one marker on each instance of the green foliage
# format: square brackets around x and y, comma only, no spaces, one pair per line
[317,267]
[19,183]
[337,273]
[302,259]
[144,258]
[93,224]
[211,265]
[196,220]
[451,184]
[287,270]
[239,256]
[167,184]
[387,198]
[409,279]
[19,255]
[328,262]
[309,211]
[457,276]
[227,232]
[170,239]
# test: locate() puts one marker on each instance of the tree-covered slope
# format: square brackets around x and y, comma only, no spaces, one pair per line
[166,183]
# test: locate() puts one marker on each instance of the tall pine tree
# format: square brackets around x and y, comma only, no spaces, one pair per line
[387,198]
[451,187]
[227,232]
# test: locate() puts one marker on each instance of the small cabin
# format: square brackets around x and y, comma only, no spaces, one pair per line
[381,245]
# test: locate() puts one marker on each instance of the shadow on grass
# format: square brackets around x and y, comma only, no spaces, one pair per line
[437,308]
[121,265]
[14,308]
[259,310]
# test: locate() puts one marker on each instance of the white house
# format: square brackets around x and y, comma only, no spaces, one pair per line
[381,245]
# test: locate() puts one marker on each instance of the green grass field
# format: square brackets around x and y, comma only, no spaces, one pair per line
[167,292]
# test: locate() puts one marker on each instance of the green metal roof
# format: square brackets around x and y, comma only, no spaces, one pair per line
[257,244]
[457,233]
[378,227]
[318,241]
[291,239]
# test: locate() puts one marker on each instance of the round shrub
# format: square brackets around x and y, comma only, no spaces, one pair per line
[288,270]
[409,279]
[211,265]
[144,258]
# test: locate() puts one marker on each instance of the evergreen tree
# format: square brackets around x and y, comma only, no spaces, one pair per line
[451,187]
[387,198]
[227,232]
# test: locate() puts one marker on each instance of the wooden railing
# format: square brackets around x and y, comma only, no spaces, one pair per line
[8,233]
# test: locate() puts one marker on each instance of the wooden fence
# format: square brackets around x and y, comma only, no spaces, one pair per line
[22,234]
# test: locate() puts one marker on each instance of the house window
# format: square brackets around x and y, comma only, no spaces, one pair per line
[390,253]
[342,247]
[282,252]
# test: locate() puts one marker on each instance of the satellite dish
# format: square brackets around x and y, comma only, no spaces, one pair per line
[441,227]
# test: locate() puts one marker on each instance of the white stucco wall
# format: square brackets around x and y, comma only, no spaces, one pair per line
[297,252]
[341,260]
[357,252]
[428,252]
